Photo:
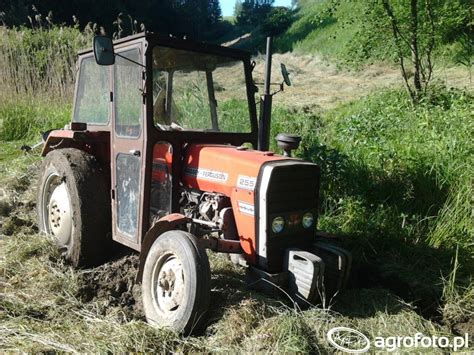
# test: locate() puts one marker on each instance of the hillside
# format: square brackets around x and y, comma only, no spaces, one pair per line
[355,33]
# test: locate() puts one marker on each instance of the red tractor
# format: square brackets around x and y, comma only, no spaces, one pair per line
[158,158]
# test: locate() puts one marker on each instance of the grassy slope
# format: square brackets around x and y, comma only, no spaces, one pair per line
[339,34]
[314,31]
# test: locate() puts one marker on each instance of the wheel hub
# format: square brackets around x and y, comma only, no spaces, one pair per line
[59,218]
[169,285]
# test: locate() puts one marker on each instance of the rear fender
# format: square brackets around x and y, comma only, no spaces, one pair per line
[96,143]
[59,139]
[165,224]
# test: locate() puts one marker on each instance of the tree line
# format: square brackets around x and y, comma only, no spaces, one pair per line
[197,19]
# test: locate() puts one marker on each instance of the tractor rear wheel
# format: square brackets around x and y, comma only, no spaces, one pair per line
[74,205]
[176,282]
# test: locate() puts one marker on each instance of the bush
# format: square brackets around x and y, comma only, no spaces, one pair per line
[277,21]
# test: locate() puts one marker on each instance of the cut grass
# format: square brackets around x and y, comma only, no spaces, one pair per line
[40,311]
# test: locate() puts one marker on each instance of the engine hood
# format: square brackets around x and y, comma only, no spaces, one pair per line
[223,168]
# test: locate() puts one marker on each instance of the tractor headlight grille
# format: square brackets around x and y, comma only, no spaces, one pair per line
[286,201]
[293,195]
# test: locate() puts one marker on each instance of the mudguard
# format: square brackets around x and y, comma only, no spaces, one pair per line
[167,223]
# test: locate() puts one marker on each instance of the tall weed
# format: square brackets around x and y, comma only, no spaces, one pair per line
[39,62]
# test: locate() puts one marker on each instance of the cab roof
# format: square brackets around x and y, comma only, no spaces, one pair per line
[171,41]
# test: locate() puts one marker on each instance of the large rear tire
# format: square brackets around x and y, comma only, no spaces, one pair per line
[176,282]
[74,206]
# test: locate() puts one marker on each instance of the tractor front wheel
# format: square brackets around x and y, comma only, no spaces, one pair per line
[74,205]
[176,282]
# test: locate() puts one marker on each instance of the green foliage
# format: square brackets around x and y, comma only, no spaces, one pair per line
[358,32]
[397,182]
[318,29]
[25,120]
[251,12]
[39,61]
[277,21]
[413,161]
[233,116]
[198,19]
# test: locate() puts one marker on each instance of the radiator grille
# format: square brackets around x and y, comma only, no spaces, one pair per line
[293,189]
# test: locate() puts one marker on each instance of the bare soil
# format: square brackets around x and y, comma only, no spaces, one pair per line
[112,285]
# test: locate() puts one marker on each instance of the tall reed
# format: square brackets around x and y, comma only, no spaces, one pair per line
[39,62]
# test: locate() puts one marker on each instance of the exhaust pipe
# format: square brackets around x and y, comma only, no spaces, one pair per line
[266,103]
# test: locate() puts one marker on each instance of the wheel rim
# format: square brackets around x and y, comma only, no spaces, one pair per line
[168,284]
[57,215]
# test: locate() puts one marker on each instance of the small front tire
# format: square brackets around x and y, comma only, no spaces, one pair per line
[176,282]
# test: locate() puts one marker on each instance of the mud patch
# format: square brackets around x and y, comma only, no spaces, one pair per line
[5,208]
[111,288]
[15,224]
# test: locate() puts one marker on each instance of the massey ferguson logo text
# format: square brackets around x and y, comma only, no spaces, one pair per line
[207,174]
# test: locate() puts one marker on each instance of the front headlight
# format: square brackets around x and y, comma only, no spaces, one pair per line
[307,220]
[278,224]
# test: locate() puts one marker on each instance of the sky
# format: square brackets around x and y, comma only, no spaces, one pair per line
[227,6]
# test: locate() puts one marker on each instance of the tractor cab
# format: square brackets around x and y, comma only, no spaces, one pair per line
[154,94]
[164,154]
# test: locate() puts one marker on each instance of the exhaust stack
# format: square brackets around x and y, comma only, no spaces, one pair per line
[266,103]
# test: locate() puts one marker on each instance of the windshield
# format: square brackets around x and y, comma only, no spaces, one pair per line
[195,91]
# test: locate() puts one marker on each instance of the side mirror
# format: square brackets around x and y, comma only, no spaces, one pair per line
[285,74]
[103,50]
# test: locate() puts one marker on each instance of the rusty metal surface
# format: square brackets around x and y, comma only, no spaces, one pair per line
[221,245]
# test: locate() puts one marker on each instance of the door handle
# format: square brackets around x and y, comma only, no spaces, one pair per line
[135,152]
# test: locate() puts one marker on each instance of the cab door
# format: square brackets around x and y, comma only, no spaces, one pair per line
[128,138]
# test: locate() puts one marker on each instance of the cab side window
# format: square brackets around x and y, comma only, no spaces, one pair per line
[93,93]
[128,94]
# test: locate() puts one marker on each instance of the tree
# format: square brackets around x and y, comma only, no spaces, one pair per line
[237,8]
[193,18]
[421,60]
[277,21]
[252,12]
